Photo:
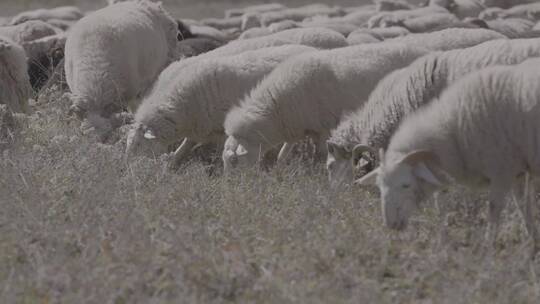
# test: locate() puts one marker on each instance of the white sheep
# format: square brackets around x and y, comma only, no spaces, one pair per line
[191,100]
[449,39]
[385,18]
[511,27]
[382,33]
[307,96]
[434,22]
[282,25]
[529,11]
[341,27]
[255,33]
[356,38]
[261,8]
[404,91]
[462,8]
[299,14]
[15,86]
[315,37]
[114,55]
[481,133]
[392,5]
[71,13]
[27,31]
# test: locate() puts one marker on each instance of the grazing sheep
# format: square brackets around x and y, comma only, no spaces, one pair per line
[197,46]
[44,55]
[315,37]
[299,14]
[307,96]
[356,38]
[194,102]
[255,32]
[341,27]
[223,24]
[282,25]
[403,92]
[481,133]
[511,27]
[358,18]
[113,56]
[15,86]
[392,5]
[434,22]
[461,8]
[202,31]
[7,126]
[70,13]
[261,8]
[28,31]
[449,39]
[382,33]
[386,18]
[529,11]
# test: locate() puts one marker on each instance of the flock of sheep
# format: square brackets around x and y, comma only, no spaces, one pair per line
[411,98]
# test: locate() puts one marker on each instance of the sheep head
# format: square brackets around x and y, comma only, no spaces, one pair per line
[404,184]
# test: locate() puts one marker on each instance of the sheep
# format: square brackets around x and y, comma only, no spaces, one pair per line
[44,55]
[511,27]
[392,5]
[15,86]
[299,14]
[222,24]
[434,22]
[202,31]
[382,33]
[448,39]
[7,126]
[307,96]
[190,100]
[114,54]
[359,18]
[461,8]
[382,19]
[197,46]
[282,25]
[481,133]
[70,13]
[341,27]
[27,31]
[315,37]
[255,32]
[356,38]
[404,91]
[261,8]
[529,11]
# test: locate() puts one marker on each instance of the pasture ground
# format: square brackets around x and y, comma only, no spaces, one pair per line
[78,224]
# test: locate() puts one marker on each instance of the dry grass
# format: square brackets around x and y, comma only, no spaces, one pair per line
[78,224]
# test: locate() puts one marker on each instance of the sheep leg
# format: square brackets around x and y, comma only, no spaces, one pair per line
[525,199]
[284,153]
[496,200]
[443,217]
[182,152]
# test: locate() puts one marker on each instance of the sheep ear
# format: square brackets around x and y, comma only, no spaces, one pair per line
[423,172]
[368,179]
[240,150]
[149,134]
[330,146]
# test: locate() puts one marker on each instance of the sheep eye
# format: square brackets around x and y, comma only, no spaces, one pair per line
[405,186]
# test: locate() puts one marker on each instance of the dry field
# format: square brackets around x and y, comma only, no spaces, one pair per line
[79,224]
